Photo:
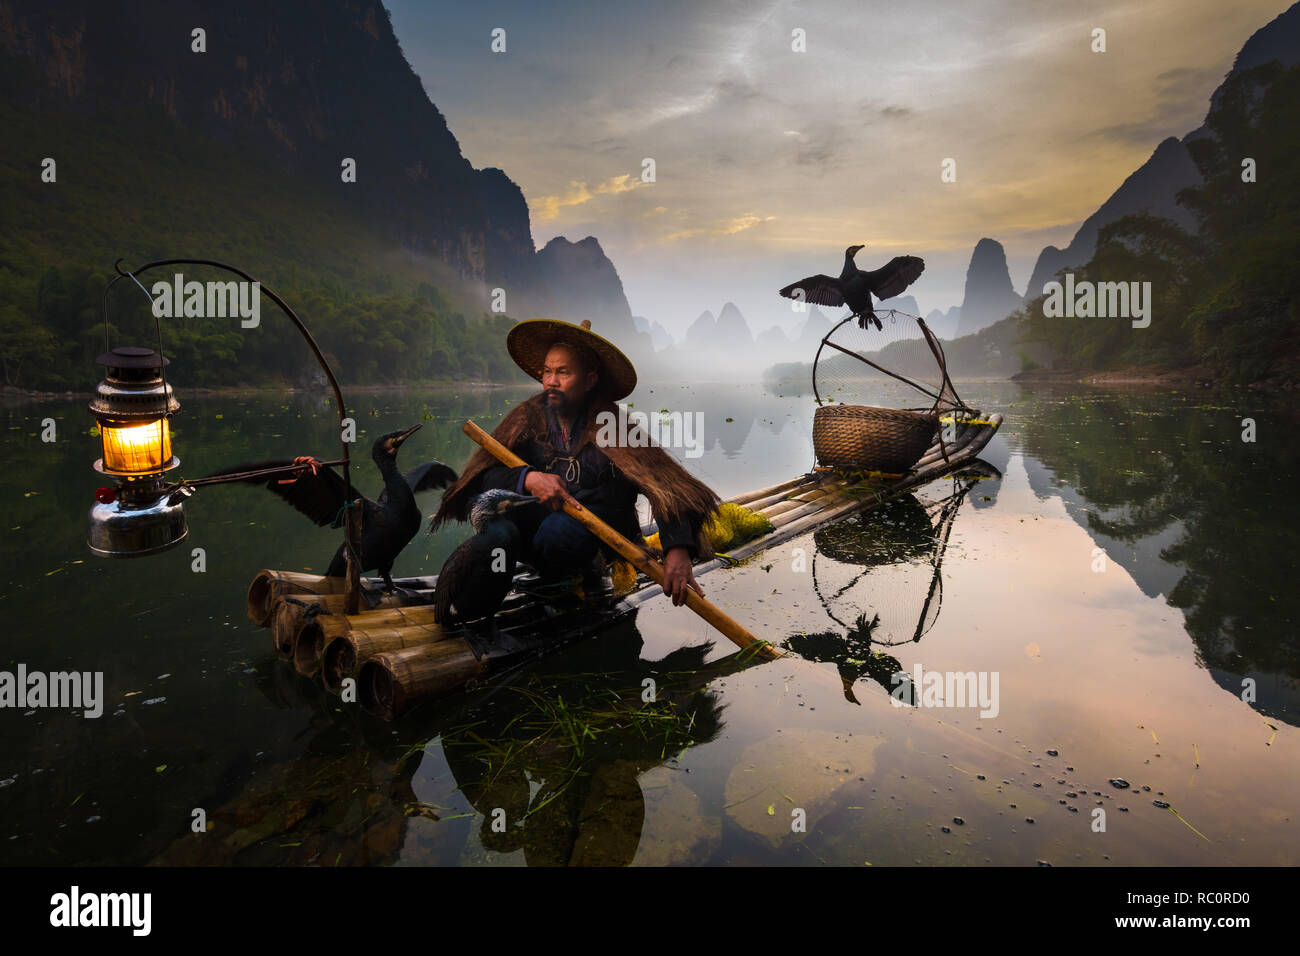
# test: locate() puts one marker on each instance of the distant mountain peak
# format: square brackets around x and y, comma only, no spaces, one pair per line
[989,293]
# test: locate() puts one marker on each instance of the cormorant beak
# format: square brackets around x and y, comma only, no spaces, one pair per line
[508,504]
[854,250]
[398,439]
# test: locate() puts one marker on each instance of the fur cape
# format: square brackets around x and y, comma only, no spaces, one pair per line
[672,491]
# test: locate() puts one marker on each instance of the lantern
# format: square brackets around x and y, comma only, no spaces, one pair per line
[132,406]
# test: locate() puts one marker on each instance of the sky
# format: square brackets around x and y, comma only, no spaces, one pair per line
[768,161]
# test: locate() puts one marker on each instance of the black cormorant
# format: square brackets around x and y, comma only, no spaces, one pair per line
[479,574]
[387,525]
[854,287]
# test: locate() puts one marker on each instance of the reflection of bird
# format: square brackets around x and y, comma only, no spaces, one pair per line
[478,575]
[851,653]
[387,525]
[854,287]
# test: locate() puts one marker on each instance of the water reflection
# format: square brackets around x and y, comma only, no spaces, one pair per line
[551,763]
[1173,493]
[909,539]
[198,714]
[556,773]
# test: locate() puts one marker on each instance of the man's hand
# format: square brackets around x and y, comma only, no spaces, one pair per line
[308,460]
[550,489]
[678,575]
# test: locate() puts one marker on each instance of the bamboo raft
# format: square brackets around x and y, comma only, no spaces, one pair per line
[394,655]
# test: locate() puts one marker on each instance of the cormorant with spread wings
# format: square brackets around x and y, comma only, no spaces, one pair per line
[854,287]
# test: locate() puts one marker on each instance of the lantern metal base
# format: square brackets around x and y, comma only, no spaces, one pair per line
[123,529]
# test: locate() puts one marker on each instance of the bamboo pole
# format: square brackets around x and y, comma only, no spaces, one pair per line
[336,625]
[314,635]
[758,504]
[351,555]
[749,497]
[268,586]
[283,631]
[301,607]
[344,655]
[733,630]
[392,682]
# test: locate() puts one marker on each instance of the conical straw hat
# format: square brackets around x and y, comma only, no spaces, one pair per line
[530,340]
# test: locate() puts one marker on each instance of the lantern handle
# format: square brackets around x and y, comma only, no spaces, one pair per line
[157,322]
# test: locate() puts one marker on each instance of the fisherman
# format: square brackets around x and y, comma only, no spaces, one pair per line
[559,434]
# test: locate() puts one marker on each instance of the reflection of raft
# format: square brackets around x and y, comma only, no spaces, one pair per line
[399,657]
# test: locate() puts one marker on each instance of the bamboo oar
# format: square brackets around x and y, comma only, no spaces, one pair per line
[714,615]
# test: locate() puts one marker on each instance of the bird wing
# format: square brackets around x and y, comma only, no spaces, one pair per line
[895,276]
[450,581]
[318,496]
[430,475]
[818,289]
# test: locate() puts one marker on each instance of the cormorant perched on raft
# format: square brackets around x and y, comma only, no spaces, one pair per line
[387,525]
[854,287]
[477,577]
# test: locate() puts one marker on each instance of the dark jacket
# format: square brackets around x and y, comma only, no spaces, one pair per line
[592,479]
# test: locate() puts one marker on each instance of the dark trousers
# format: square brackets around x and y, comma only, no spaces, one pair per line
[558,545]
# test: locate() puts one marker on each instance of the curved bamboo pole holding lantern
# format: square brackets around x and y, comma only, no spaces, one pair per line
[714,615]
[352,532]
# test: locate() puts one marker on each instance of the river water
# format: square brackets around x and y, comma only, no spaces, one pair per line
[1125,590]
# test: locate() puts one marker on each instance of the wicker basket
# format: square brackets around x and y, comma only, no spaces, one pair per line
[875,439]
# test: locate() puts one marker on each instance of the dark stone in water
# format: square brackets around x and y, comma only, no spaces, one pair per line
[1160,803]
[1043,863]
[1071,794]
[959,821]
[979,776]
[1147,789]
[946,829]
[1053,753]
[1029,819]
[1038,785]
[1073,809]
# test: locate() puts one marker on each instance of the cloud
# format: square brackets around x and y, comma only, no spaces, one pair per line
[546,208]
[1178,99]
[724,227]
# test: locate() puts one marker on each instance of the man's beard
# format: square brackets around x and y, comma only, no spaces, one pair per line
[556,400]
